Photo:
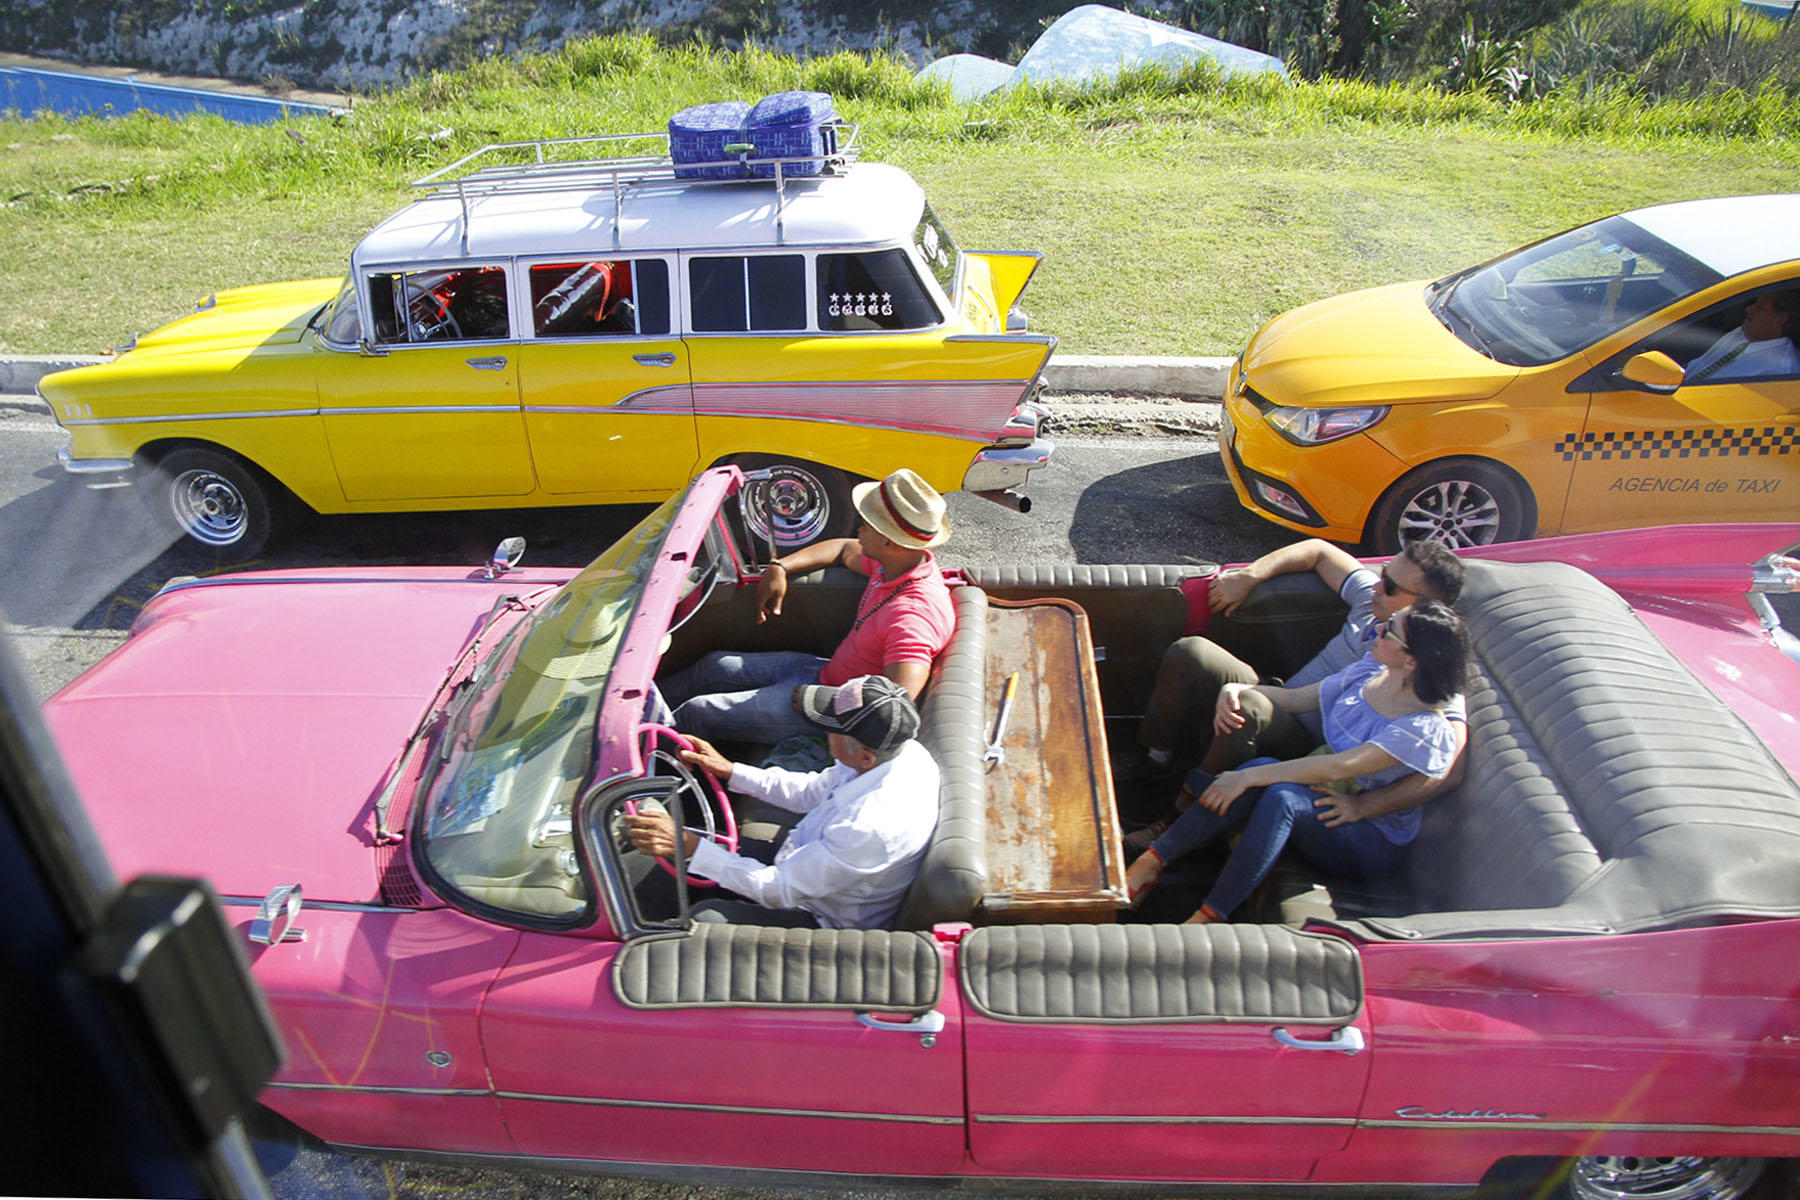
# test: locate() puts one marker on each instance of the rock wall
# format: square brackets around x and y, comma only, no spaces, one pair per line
[362,45]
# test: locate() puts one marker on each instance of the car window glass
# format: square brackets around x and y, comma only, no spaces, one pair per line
[439,305]
[600,298]
[1543,303]
[872,291]
[753,293]
[1711,347]
[938,249]
[344,322]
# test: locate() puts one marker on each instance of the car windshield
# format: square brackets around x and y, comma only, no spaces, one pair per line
[342,321]
[1545,302]
[519,738]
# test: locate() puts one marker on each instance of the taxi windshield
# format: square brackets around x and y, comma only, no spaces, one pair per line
[1547,301]
[519,738]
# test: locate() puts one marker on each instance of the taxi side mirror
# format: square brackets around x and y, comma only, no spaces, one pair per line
[1654,372]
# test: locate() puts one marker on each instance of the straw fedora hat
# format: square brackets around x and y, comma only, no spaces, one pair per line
[906,509]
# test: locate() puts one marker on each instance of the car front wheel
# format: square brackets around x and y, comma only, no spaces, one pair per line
[218,502]
[1461,502]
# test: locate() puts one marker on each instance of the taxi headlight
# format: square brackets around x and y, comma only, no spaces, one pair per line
[1317,426]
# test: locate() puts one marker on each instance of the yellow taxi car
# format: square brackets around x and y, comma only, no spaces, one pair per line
[581,330]
[1639,370]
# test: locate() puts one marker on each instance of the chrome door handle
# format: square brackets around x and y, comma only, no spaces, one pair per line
[496,363]
[1347,1040]
[927,1025]
[654,360]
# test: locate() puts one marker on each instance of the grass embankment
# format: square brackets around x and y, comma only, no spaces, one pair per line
[1177,213]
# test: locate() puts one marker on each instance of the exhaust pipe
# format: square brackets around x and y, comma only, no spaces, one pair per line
[1008,499]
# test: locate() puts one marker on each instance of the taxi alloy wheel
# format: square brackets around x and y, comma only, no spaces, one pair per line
[1460,502]
[219,503]
[1627,1177]
[801,501]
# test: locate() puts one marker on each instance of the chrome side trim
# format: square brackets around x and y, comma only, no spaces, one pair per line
[410,409]
[1011,339]
[224,416]
[744,1110]
[376,1090]
[317,906]
[1597,1127]
[1113,1119]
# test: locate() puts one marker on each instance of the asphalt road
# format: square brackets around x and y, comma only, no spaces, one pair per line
[76,565]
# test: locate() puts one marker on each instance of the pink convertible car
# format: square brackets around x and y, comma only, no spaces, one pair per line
[409,782]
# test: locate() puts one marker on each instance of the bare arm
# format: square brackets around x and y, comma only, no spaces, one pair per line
[771,589]
[912,675]
[1314,768]
[1228,712]
[1408,792]
[1332,563]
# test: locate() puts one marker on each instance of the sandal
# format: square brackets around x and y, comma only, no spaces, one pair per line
[1139,840]
[1135,892]
[1206,915]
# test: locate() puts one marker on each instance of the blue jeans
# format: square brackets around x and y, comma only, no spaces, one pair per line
[1272,816]
[741,697]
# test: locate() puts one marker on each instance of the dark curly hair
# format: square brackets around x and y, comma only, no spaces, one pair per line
[1443,571]
[1439,645]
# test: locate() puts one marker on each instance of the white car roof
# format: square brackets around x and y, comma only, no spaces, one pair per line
[870,203]
[1730,234]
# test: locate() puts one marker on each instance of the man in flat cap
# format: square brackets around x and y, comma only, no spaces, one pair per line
[902,624]
[868,818]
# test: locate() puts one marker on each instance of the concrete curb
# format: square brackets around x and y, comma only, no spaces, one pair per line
[1148,375]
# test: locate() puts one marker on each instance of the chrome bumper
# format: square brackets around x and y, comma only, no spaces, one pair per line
[999,468]
[97,473]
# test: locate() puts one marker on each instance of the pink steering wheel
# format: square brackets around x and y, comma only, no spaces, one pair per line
[718,823]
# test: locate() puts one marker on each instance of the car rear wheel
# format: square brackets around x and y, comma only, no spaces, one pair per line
[221,504]
[1638,1177]
[801,502]
[1461,502]
[1626,1177]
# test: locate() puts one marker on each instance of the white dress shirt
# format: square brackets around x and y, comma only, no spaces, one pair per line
[853,855]
[1771,356]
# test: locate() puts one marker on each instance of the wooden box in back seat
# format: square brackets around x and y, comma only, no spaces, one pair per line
[1053,846]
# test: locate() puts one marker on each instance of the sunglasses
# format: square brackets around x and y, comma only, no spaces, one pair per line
[1390,628]
[1391,586]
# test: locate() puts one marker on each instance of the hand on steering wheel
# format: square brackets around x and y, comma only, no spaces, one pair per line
[704,802]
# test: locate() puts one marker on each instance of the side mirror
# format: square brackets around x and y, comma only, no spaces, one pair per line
[274,921]
[507,555]
[1654,372]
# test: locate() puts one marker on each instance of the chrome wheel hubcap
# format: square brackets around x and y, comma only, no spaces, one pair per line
[208,507]
[791,500]
[1632,1178]
[1456,512]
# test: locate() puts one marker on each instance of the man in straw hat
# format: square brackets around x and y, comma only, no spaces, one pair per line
[903,621]
[869,817]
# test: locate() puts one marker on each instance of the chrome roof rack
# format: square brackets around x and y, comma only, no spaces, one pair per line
[543,171]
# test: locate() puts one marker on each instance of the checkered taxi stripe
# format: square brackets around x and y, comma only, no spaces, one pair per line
[1679,443]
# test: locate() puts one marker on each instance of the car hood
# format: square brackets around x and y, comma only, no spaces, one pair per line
[244,729]
[1380,346]
[270,314]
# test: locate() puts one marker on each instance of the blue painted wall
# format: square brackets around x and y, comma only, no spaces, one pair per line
[28,90]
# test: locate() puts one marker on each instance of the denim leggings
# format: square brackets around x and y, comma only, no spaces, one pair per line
[1271,816]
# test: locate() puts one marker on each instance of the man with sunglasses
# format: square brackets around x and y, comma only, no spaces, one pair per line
[1191,698]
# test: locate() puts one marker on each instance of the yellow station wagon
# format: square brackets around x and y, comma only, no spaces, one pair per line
[586,330]
[1639,370]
